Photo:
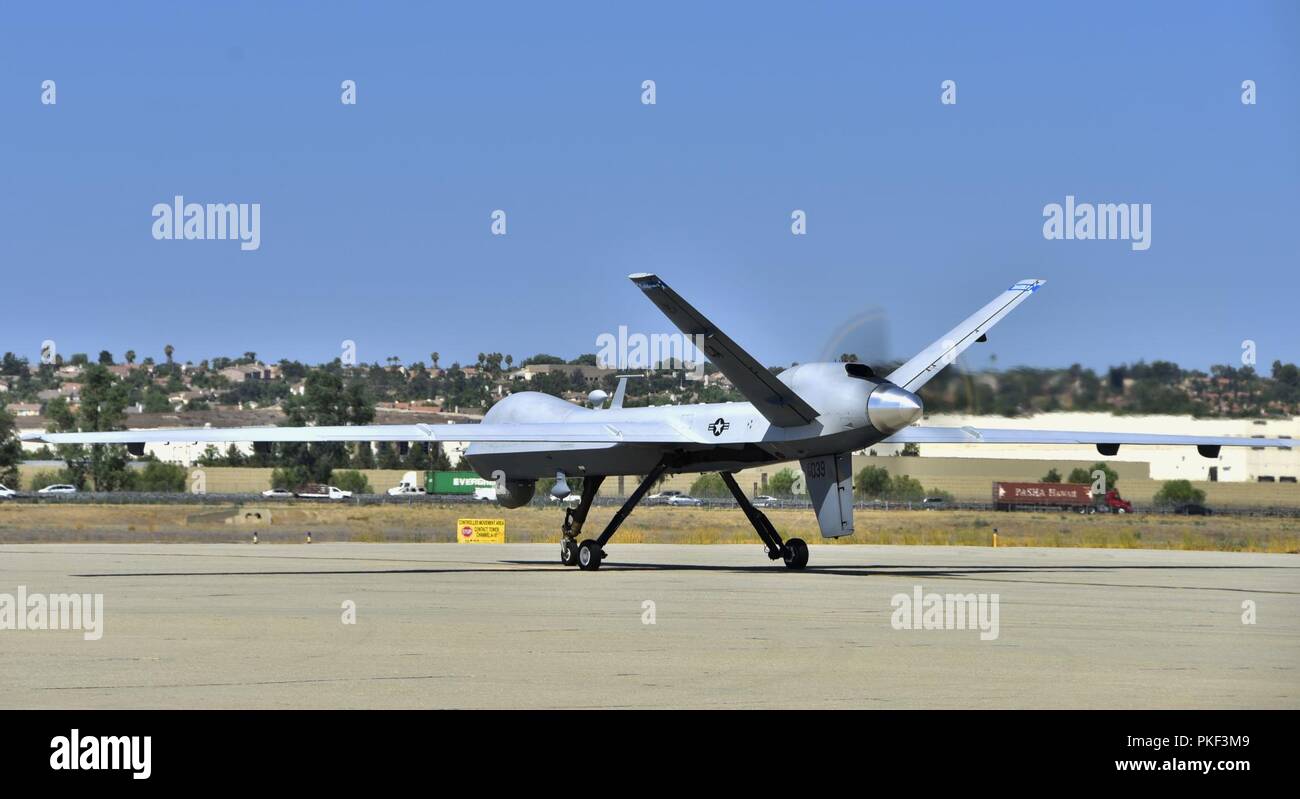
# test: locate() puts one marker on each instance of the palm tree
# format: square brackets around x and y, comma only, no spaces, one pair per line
[434,356]
[130,357]
[168,350]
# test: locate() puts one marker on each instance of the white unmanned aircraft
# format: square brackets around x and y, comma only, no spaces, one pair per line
[816,413]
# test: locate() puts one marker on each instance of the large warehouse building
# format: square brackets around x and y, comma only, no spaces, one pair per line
[1234,464]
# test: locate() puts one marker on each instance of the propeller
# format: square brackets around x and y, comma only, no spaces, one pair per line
[866,337]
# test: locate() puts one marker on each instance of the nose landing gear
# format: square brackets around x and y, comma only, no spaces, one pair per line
[589,554]
[574,518]
[568,549]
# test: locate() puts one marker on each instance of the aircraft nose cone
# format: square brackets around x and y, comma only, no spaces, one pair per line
[891,408]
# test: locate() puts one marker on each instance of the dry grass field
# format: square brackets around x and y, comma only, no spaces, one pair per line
[291,521]
[967,479]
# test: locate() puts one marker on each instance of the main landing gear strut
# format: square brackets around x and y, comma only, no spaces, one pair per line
[588,554]
[794,552]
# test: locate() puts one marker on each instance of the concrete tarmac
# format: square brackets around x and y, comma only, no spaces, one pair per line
[505,626]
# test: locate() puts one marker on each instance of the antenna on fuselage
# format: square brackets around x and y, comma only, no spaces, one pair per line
[621,391]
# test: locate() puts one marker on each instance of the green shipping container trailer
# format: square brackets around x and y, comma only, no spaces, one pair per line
[454,482]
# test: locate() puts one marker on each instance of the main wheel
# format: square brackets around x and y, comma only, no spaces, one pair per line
[796,553]
[568,551]
[589,555]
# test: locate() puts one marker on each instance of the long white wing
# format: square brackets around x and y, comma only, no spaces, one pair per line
[972,435]
[770,397]
[928,362]
[559,432]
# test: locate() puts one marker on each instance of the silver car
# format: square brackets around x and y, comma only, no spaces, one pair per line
[682,499]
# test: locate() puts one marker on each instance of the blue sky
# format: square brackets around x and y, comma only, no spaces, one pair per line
[375,220]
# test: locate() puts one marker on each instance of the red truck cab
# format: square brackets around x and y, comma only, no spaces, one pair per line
[1117,504]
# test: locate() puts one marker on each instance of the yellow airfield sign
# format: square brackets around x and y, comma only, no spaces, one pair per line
[481,531]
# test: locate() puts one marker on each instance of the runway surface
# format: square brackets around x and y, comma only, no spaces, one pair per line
[501,626]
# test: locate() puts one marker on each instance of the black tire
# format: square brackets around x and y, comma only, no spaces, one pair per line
[568,552]
[589,555]
[796,553]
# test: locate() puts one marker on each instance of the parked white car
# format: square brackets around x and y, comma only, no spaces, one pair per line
[324,492]
[277,493]
[682,499]
[6,492]
[58,488]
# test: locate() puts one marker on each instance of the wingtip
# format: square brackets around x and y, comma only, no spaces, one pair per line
[636,276]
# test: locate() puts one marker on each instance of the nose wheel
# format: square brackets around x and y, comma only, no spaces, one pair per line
[568,552]
[574,519]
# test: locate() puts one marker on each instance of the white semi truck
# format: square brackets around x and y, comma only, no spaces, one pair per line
[410,486]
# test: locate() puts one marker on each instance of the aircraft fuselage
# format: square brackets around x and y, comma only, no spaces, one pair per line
[722,436]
